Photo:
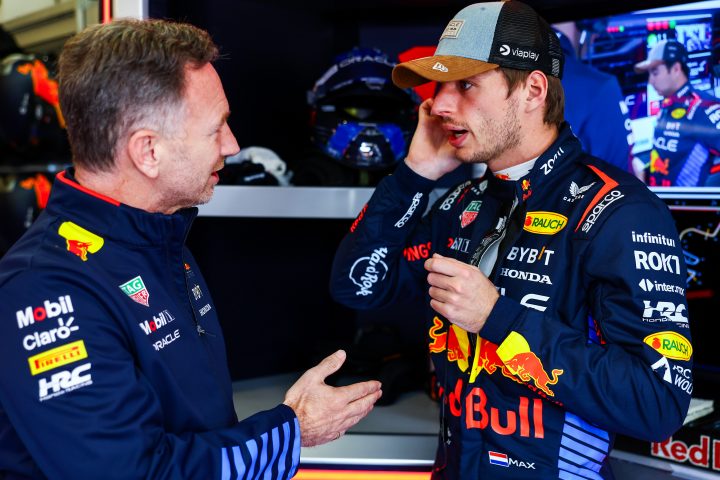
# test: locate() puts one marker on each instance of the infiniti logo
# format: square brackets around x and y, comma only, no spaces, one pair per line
[504,50]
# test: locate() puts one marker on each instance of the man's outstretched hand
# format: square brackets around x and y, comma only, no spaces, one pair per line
[325,412]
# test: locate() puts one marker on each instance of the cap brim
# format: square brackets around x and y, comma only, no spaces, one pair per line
[438,68]
[646,65]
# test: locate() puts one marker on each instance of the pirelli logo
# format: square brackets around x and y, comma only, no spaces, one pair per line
[57,357]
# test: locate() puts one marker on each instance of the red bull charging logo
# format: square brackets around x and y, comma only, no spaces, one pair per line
[80,241]
[520,360]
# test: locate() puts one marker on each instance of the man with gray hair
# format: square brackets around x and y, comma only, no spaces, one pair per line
[114,364]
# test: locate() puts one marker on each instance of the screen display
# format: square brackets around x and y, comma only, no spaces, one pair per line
[677,147]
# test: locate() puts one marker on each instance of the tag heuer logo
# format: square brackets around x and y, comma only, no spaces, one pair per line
[136,290]
[440,67]
[470,213]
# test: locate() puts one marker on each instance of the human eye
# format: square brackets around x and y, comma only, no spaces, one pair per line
[465,85]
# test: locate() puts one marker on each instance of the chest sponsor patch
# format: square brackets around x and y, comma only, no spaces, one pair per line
[57,357]
[671,345]
[544,223]
[136,289]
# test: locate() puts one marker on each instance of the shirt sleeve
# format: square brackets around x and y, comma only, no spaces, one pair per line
[630,371]
[82,408]
[369,269]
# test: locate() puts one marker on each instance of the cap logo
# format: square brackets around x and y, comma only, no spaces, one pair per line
[520,53]
[453,29]
[440,67]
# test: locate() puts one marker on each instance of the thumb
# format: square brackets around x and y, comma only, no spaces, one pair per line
[331,364]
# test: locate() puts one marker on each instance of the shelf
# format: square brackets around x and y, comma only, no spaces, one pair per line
[286,202]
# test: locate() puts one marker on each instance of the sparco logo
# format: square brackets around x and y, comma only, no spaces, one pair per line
[158,321]
[529,276]
[415,202]
[49,309]
[447,203]
[658,262]
[599,208]
[367,271]
[505,50]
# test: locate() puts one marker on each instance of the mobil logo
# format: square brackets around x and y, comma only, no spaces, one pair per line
[48,309]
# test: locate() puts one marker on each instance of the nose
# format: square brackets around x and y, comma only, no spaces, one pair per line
[228,144]
[444,100]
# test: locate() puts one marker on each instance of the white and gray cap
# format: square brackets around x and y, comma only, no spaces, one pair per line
[483,36]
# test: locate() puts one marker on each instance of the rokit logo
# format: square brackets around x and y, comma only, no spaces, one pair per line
[659,262]
[41,339]
[65,381]
[367,271]
[158,321]
[668,311]
[49,309]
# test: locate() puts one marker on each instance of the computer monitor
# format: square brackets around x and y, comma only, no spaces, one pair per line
[615,44]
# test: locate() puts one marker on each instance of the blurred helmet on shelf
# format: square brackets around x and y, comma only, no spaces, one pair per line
[359,117]
[32,128]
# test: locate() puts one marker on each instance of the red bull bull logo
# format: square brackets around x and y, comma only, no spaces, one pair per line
[455,340]
[657,164]
[521,361]
[79,241]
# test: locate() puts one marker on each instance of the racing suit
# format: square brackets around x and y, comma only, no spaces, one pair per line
[686,147]
[590,334]
[113,362]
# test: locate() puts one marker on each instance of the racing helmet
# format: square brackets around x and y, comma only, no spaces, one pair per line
[359,117]
[31,123]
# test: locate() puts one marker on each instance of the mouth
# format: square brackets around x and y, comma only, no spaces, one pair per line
[456,135]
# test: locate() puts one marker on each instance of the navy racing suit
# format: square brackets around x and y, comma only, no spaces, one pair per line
[113,362]
[589,337]
[686,147]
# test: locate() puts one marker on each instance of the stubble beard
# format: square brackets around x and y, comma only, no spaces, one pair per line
[499,137]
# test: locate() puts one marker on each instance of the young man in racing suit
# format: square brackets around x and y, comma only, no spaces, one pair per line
[556,282]
[686,147]
[113,362]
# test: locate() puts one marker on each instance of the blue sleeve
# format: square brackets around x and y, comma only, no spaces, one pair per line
[635,376]
[369,270]
[84,410]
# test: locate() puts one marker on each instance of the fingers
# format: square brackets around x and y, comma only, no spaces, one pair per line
[359,391]
[329,364]
[447,266]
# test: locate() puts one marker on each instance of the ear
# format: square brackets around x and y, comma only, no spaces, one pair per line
[142,149]
[536,87]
